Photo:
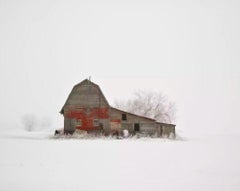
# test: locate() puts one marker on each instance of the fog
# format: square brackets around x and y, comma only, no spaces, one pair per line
[188,50]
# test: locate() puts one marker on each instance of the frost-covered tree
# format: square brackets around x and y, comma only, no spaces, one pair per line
[29,122]
[149,104]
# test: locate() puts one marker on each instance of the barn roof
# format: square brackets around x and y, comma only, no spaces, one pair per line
[86,81]
[133,114]
[160,123]
[165,124]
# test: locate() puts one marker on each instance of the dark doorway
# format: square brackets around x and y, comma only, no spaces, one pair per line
[136,127]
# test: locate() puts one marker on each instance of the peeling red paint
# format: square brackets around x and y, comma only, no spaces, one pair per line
[116,120]
[87,116]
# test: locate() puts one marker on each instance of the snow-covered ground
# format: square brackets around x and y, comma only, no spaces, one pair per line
[34,161]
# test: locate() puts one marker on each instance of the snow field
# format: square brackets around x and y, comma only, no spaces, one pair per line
[39,163]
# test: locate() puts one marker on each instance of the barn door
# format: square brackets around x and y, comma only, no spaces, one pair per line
[136,127]
[115,125]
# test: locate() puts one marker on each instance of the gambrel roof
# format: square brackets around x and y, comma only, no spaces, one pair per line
[85,83]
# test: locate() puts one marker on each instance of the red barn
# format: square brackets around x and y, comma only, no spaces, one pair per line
[86,108]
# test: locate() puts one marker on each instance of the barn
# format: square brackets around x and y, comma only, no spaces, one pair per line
[86,108]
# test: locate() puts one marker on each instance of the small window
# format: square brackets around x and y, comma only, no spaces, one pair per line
[95,122]
[124,116]
[78,122]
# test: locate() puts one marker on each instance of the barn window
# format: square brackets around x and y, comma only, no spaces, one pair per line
[95,122]
[136,127]
[124,116]
[78,122]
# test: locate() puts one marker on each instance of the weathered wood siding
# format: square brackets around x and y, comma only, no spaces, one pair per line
[166,130]
[86,95]
[68,125]
[145,124]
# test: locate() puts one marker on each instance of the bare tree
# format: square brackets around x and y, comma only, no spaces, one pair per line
[29,121]
[149,104]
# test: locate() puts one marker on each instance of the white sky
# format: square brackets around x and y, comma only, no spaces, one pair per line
[190,50]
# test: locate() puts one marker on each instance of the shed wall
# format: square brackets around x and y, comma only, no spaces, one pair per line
[145,125]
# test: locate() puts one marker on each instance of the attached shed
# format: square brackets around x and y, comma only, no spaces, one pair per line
[86,108]
[133,123]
